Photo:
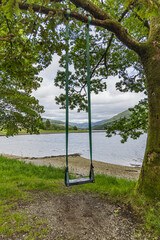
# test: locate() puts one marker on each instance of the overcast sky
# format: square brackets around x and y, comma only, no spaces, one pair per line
[104,105]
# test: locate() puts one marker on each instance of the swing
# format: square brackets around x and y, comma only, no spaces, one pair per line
[90,179]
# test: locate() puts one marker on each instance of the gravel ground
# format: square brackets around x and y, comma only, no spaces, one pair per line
[82,217]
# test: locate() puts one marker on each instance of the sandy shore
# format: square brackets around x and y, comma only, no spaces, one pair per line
[80,166]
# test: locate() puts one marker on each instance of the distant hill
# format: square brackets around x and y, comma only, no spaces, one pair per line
[100,125]
[56,122]
[78,125]
[85,124]
[61,123]
[110,121]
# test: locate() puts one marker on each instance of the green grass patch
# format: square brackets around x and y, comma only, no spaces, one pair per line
[16,223]
[149,210]
[17,176]
[61,131]
[15,168]
[118,188]
[3,132]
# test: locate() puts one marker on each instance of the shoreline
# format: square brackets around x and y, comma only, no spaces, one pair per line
[83,131]
[80,166]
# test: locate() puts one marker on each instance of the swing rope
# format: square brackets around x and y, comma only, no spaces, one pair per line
[88,84]
[67,76]
[91,175]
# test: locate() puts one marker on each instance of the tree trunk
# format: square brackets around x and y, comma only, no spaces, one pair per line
[149,180]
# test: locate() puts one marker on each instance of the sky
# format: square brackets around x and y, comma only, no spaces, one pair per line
[104,105]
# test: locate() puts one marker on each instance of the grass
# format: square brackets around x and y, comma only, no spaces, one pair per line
[3,132]
[16,176]
[62,131]
[19,182]
[112,187]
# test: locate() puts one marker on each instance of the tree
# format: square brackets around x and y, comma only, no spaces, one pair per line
[48,124]
[75,128]
[125,41]
[18,77]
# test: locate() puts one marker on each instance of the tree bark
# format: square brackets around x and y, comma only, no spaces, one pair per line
[149,180]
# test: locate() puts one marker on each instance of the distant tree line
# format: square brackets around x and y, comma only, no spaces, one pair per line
[47,125]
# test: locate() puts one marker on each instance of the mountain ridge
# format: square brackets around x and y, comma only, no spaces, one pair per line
[110,121]
[99,125]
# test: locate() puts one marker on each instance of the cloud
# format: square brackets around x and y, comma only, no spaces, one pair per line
[104,105]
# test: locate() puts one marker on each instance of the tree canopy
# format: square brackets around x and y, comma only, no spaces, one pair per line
[29,39]
[18,76]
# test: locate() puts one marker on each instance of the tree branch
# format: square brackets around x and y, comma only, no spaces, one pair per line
[104,54]
[109,44]
[56,1]
[146,24]
[92,9]
[6,39]
[102,19]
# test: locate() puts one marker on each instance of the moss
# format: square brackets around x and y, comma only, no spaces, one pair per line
[149,180]
[154,29]
[152,157]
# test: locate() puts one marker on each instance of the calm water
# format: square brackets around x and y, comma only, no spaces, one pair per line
[109,150]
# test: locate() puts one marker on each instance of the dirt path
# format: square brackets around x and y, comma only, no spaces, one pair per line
[82,217]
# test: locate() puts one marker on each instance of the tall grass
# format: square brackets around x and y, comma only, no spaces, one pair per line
[17,176]
[10,167]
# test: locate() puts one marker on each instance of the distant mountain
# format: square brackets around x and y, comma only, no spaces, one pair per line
[78,125]
[110,121]
[100,125]
[85,124]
